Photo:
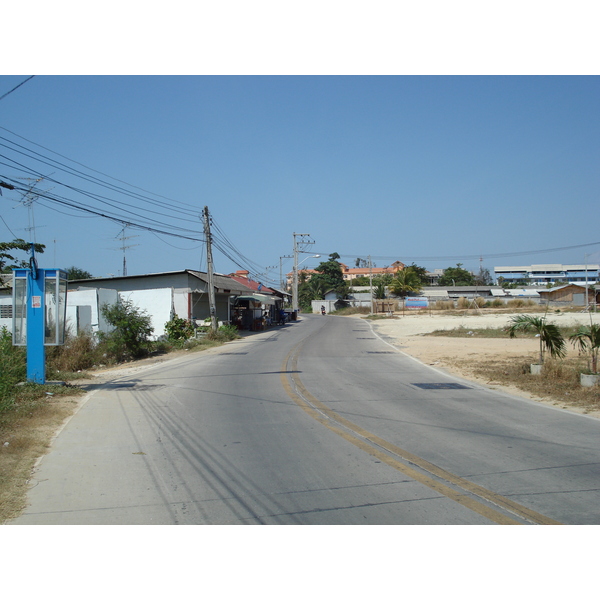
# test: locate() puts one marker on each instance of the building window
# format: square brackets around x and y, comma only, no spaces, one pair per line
[6,311]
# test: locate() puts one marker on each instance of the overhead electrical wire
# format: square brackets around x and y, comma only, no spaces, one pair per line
[116,219]
[95,170]
[230,251]
[16,87]
[471,256]
[122,212]
[94,180]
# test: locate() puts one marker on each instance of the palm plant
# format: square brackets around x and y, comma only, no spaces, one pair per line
[405,282]
[379,291]
[588,340]
[551,339]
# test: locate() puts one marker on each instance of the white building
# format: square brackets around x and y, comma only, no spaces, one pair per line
[548,273]
[160,295]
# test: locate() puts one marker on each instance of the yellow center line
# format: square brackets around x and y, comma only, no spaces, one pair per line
[375,446]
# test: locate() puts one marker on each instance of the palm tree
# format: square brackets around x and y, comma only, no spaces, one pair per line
[588,340]
[551,339]
[379,291]
[405,282]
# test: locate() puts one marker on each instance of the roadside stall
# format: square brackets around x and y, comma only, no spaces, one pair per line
[253,312]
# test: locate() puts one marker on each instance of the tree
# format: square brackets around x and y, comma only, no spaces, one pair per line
[314,289]
[588,340]
[361,280]
[379,290]
[328,277]
[331,274]
[456,276]
[406,282]
[551,339]
[383,279]
[76,273]
[8,262]
[484,277]
[421,273]
[132,328]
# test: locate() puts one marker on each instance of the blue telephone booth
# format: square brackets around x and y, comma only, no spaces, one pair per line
[39,311]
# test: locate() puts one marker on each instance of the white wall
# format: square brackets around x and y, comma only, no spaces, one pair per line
[157,303]
[6,300]
[94,299]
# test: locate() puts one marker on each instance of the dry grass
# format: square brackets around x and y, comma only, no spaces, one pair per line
[25,435]
[558,382]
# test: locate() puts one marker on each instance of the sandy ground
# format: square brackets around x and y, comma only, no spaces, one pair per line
[406,334]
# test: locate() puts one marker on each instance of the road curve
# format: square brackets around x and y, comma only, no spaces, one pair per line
[316,422]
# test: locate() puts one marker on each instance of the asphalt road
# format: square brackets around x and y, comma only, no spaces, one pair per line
[317,422]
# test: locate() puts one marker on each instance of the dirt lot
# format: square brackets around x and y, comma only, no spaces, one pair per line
[458,355]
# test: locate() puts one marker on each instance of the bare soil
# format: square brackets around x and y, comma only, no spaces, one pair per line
[488,361]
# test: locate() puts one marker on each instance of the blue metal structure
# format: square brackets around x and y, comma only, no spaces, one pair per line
[39,310]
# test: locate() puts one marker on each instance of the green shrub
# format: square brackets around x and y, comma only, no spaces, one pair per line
[225,333]
[179,330]
[130,336]
[495,303]
[13,368]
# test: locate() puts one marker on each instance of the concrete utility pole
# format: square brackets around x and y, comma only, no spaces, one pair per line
[295,271]
[209,268]
[371,282]
[281,282]
[587,302]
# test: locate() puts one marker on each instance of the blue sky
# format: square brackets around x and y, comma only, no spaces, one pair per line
[428,169]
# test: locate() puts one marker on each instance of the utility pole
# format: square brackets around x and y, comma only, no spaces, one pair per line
[209,269]
[587,302]
[29,199]
[371,281]
[281,282]
[295,272]
[121,236]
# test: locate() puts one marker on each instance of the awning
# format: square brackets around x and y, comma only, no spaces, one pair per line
[258,298]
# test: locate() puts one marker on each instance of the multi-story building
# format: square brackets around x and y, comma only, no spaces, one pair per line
[350,273]
[550,273]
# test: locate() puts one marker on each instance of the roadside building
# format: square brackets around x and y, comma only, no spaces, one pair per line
[571,294]
[350,273]
[260,306]
[164,295]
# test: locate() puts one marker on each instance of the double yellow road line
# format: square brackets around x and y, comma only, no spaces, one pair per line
[428,474]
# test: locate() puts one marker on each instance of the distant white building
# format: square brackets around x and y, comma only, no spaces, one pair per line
[549,273]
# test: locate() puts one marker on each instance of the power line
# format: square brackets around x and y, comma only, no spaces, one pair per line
[116,219]
[17,87]
[90,168]
[7,227]
[111,187]
[471,256]
[121,211]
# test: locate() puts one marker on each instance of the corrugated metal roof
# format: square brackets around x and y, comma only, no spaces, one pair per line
[523,292]
[436,293]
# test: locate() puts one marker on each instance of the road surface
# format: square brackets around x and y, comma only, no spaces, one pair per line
[316,422]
